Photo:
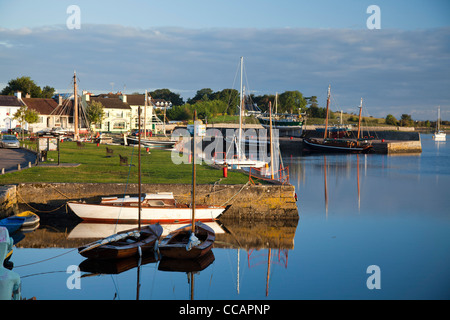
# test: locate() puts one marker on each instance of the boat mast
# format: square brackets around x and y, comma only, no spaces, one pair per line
[145,115]
[139,169]
[359,121]
[193,173]
[326,117]
[75,106]
[241,111]
[271,142]
[438,127]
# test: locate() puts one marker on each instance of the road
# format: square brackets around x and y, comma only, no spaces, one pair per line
[9,158]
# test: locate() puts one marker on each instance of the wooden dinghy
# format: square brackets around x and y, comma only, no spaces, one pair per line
[123,244]
[179,243]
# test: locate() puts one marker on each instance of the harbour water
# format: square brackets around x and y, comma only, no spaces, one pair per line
[356,212]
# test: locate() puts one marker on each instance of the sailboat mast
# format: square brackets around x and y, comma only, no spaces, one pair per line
[359,120]
[193,172]
[271,141]
[326,117]
[241,110]
[145,115]
[75,106]
[139,170]
[439,119]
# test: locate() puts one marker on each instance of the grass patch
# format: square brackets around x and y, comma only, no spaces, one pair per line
[96,167]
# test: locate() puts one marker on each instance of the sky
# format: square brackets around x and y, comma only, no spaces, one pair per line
[400,67]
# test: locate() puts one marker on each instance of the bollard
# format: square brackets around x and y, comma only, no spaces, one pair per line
[29,164]
[3,170]
[18,166]
[225,172]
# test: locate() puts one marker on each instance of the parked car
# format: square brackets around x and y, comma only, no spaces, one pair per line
[17,130]
[9,141]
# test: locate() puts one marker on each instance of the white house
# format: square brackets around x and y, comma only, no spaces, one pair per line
[8,107]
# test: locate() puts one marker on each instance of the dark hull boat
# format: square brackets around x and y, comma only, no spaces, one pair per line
[336,146]
[123,245]
[327,145]
[176,245]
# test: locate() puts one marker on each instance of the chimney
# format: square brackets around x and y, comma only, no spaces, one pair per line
[123,97]
[86,96]
[27,96]
[18,94]
[60,100]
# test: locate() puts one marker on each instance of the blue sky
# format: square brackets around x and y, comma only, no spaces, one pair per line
[185,46]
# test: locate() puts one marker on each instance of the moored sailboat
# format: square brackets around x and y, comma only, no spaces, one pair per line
[129,243]
[327,145]
[439,135]
[194,240]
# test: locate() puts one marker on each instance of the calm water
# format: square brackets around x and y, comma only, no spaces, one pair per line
[355,211]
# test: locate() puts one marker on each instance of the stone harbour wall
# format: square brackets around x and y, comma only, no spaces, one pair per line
[244,201]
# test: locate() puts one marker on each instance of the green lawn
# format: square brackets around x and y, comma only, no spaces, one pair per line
[96,167]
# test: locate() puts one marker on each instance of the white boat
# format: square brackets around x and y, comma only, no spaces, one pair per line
[439,135]
[157,207]
[240,160]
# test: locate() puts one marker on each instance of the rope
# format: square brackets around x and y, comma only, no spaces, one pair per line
[36,262]
[248,182]
[37,210]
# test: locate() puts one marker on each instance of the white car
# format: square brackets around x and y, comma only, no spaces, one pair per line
[9,141]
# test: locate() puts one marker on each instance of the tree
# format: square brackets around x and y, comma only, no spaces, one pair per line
[167,95]
[406,120]
[27,86]
[48,92]
[390,119]
[291,101]
[25,115]
[202,95]
[95,113]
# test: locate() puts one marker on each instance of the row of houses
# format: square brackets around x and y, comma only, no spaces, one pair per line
[121,111]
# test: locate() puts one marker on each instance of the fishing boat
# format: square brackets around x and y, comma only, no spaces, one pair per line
[342,145]
[439,135]
[156,207]
[286,123]
[128,243]
[194,240]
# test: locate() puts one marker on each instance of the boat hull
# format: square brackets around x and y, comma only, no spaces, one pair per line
[174,244]
[334,148]
[123,214]
[121,249]
[440,136]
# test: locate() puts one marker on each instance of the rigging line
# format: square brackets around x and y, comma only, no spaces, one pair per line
[36,262]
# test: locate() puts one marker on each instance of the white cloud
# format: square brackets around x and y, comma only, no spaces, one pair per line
[393,70]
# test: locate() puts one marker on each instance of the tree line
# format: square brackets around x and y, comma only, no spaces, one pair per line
[209,103]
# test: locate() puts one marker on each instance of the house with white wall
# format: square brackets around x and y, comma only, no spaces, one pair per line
[117,112]
[8,107]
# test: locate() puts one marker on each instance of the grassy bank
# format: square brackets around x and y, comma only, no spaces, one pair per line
[97,167]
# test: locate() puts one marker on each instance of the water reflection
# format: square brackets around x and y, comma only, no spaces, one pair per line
[260,242]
